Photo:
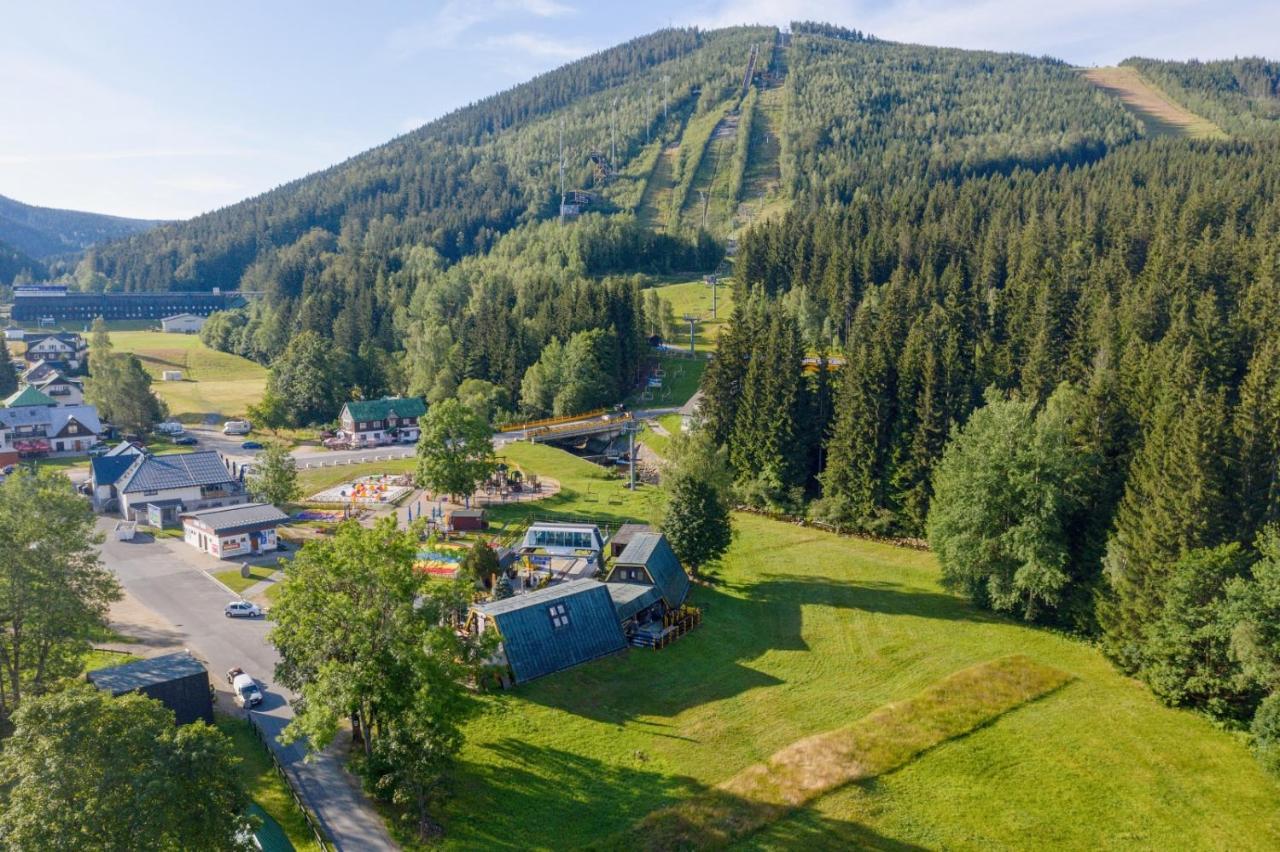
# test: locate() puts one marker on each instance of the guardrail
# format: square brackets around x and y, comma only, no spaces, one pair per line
[312,822]
[551,421]
[575,426]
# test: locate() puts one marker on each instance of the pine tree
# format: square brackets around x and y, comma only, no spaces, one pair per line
[1177,498]
[1256,423]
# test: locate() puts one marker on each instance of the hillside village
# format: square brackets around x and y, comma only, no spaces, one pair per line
[759,437]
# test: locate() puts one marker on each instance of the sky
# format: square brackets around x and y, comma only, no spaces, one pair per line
[165,110]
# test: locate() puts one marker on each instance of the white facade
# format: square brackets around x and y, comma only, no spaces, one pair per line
[183,323]
[226,545]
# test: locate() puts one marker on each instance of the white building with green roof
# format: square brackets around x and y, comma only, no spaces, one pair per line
[377,422]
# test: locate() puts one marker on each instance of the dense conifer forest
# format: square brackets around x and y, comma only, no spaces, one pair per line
[989,310]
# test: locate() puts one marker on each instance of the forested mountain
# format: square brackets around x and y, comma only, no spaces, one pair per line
[453,185]
[1241,95]
[1056,338]
[46,232]
[15,264]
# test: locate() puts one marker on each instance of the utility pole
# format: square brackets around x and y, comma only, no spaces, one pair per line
[692,320]
[561,159]
[648,99]
[712,279]
[613,135]
[666,94]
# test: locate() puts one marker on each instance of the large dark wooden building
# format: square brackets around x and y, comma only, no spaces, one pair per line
[33,304]
[179,681]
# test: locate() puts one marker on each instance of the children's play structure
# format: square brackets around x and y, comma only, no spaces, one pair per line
[367,490]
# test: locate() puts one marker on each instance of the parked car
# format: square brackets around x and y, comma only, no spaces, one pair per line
[251,445]
[98,450]
[8,469]
[245,688]
[171,427]
[242,609]
[186,440]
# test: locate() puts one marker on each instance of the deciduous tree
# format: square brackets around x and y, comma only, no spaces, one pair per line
[275,477]
[54,592]
[85,770]
[398,667]
[455,449]
[696,522]
[121,389]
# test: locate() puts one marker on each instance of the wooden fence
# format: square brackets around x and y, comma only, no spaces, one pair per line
[312,822]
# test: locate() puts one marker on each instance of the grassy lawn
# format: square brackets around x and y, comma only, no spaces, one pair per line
[232,579]
[212,382]
[693,298]
[98,659]
[806,633]
[317,479]
[679,382]
[586,490]
[267,789]
[660,443]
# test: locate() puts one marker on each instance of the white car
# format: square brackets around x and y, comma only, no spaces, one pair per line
[242,609]
[237,427]
[245,688]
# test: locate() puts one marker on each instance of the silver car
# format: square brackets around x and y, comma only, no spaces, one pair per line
[242,609]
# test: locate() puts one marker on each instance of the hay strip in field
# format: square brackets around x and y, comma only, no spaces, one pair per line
[885,740]
[1158,111]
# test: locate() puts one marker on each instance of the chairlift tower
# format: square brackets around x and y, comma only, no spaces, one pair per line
[632,428]
[713,279]
[692,320]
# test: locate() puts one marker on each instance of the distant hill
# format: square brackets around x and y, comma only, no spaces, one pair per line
[14,262]
[45,232]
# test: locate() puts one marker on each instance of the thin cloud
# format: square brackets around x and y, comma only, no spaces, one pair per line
[538,46]
[456,18]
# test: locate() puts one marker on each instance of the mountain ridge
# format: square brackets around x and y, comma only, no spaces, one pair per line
[44,233]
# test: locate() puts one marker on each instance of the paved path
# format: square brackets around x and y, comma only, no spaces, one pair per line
[164,579]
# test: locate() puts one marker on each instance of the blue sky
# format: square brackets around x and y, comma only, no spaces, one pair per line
[166,110]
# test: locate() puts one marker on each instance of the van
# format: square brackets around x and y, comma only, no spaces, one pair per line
[237,427]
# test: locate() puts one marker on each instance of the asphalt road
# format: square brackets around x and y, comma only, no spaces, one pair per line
[160,576]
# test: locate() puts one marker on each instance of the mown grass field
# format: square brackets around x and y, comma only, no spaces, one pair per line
[805,632]
[1160,113]
[213,383]
[680,378]
[660,443]
[693,298]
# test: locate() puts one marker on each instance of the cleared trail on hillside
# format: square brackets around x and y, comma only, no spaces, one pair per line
[762,183]
[652,212]
[1162,115]
[707,203]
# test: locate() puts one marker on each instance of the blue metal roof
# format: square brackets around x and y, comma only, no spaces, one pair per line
[107,469]
[653,552]
[536,646]
[632,598]
[179,470]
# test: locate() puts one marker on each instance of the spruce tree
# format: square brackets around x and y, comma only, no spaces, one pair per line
[1177,498]
[8,376]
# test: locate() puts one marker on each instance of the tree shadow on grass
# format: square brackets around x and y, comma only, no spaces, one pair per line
[524,796]
[740,624]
